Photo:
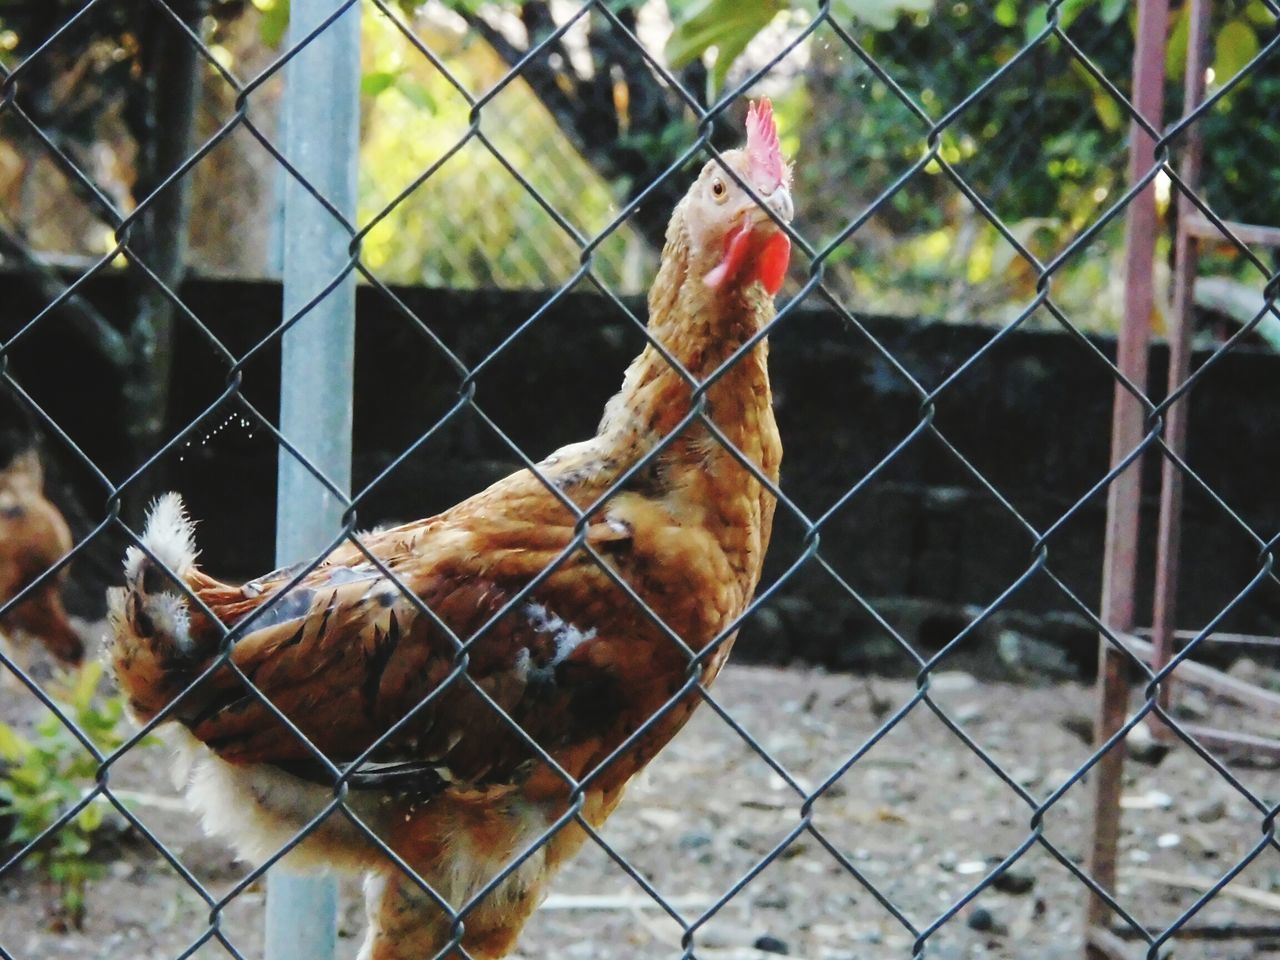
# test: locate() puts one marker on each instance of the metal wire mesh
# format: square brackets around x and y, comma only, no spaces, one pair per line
[931,126]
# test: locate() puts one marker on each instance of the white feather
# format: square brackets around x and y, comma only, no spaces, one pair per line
[568,637]
[170,536]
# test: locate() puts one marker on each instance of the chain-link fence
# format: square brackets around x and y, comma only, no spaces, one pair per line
[559,223]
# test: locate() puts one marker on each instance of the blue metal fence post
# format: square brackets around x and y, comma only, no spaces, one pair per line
[321,139]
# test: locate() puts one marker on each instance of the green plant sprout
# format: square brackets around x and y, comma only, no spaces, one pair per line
[46,771]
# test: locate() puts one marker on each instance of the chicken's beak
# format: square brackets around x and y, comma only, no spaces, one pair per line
[758,245]
[779,202]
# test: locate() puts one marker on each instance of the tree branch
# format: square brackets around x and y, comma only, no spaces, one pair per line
[588,116]
[538,74]
[163,123]
[82,316]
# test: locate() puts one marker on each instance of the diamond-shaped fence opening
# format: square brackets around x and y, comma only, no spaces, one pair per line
[454,706]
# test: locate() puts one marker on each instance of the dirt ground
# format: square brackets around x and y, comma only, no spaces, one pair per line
[920,816]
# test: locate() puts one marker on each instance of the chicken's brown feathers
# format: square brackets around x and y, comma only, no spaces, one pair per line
[485,668]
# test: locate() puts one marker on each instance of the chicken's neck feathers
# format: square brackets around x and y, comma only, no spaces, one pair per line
[694,330]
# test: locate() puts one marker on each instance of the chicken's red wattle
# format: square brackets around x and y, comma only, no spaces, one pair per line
[769,267]
[772,263]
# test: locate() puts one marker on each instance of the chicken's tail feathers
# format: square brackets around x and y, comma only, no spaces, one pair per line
[169,536]
[150,644]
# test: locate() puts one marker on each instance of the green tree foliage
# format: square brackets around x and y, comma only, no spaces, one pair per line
[1045,146]
[472,223]
[1242,133]
[729,26]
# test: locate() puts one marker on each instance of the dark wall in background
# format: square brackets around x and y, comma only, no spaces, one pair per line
[923,541]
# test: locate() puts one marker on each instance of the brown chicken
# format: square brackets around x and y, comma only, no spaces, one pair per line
[450,784]
[33,537]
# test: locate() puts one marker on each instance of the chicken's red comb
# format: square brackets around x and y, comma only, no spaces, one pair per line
[764,154]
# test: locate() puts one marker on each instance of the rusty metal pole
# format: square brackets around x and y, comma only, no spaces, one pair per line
[1120,558]
[1164,620]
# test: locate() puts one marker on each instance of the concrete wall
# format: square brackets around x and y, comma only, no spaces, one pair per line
[924,541]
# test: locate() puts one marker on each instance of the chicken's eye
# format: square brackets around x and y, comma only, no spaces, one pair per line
[718,189]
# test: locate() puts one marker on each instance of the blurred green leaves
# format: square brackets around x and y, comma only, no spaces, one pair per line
[274,20]
[1233,48]
[729,26]
[877,14]
[726,25]
[1236,43]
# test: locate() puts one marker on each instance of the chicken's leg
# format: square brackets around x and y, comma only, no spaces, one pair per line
[405,922]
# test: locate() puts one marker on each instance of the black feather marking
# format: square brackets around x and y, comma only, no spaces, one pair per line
[142,623]
[218,744]
[413,776]
[328,612]
[156,580]
[221,707]
[649,481]
[384,645]
[595,695]
[295,638]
